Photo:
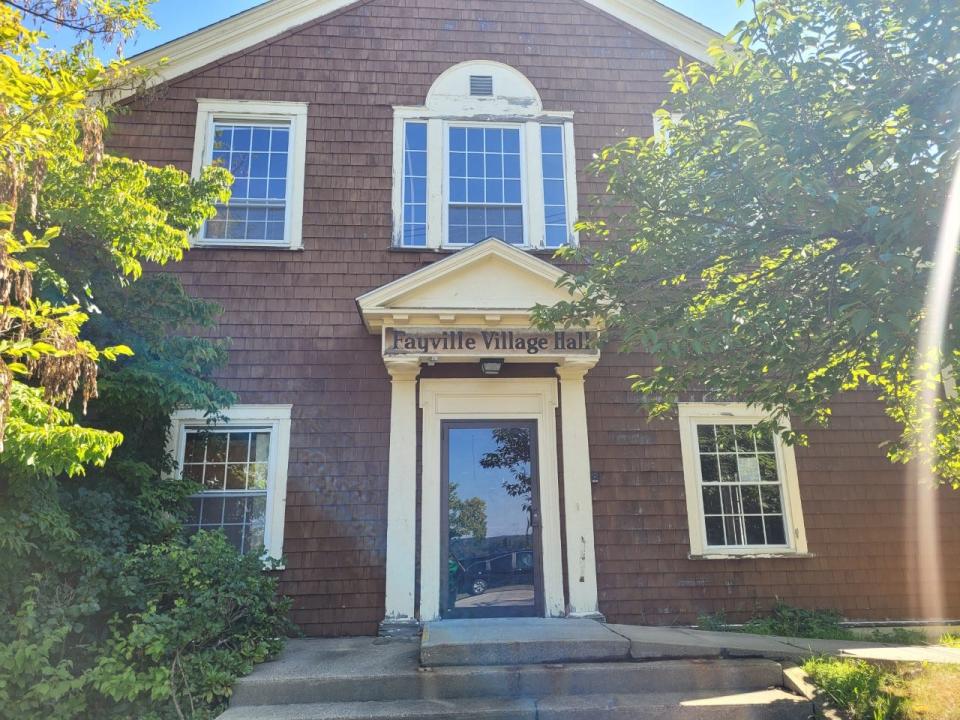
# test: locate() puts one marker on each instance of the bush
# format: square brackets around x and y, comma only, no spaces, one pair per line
[206,615]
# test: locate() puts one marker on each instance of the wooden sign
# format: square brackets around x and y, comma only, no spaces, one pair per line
[487,343]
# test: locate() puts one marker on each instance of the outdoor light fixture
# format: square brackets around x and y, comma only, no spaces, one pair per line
[491,366]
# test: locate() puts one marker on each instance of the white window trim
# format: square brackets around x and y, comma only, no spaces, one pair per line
[437,173]
[275,417]
[690,414]
[294,113]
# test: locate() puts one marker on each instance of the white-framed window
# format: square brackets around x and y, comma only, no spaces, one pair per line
[241,465]
[263,144]
[743,496]
[483,159]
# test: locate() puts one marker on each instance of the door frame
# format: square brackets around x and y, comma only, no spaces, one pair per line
[511,611]
[490,399]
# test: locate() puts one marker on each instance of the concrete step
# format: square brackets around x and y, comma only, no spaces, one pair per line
[700,705]
[520,641]
[407,682]
[771,704]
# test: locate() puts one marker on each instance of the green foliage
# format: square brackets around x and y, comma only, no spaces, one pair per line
[105,610]
[716,622]
[856,687]
[897,636]
[950,640]
[905,692]
[200,615]
[787,621]
[774,244]
[790,621]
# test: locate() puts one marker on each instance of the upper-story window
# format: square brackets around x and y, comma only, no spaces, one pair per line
[263,145]
[483,159]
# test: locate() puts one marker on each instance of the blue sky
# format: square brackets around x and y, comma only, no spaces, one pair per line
[179,17]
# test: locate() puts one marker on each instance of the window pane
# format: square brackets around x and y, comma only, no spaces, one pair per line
[481,203]
[217,447]
[715,531]
[236,477]
[233,466]
[706,438]
[775,531]
[742,492]
[770,499]
[212,511]
[726,440]
[214,476]
[234,509]
[708,469]
[554,185]
[768,467]
[256,154]
[750,495]
[728,468]
[754,529]
[711,500]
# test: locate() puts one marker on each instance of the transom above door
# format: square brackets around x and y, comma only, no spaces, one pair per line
[491,560]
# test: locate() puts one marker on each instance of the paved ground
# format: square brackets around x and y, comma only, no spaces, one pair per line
[506,596]
[507,641]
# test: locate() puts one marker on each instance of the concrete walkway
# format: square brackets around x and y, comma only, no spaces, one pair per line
[525,641]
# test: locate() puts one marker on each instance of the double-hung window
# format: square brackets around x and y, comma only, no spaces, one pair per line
[485,184]
[263,147]
[482,159]
[742,492]
[240,467]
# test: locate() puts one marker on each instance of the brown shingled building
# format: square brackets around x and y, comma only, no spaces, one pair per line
[404,170]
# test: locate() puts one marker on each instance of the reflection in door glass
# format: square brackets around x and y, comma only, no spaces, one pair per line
[491,544]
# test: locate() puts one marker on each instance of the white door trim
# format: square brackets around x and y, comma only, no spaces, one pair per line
[489,399]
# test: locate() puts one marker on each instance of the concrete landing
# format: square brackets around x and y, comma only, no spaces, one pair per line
[528,641]
[519,641]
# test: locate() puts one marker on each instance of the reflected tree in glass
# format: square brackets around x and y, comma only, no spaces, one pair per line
[513,454]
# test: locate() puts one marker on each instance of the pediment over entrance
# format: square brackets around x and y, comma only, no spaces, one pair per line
[490,284]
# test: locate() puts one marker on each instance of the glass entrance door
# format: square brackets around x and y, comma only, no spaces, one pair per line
[491,549]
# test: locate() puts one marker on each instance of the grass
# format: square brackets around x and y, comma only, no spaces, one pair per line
[929,692]
[789,621]
[950,640]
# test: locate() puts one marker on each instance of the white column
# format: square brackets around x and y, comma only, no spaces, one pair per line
[402,499]
[577,491]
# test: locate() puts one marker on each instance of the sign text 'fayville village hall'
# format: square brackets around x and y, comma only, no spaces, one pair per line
[488,342]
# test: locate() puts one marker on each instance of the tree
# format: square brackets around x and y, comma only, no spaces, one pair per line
[513,454]
[106,610]
[773,244]
[50,115]
[468,518]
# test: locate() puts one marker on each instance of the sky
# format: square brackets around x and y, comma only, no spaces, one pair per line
[179,17]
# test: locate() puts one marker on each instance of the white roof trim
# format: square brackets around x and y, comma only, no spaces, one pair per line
[274,17]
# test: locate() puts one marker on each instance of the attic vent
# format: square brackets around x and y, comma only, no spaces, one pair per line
[481,84]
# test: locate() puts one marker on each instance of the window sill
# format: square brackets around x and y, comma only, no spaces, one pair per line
[450,249]
[242,246]
[750,555]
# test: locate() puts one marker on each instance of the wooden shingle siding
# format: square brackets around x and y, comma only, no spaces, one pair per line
[297,336]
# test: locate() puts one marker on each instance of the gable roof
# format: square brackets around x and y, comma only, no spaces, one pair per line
[274,17]
[490,283]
